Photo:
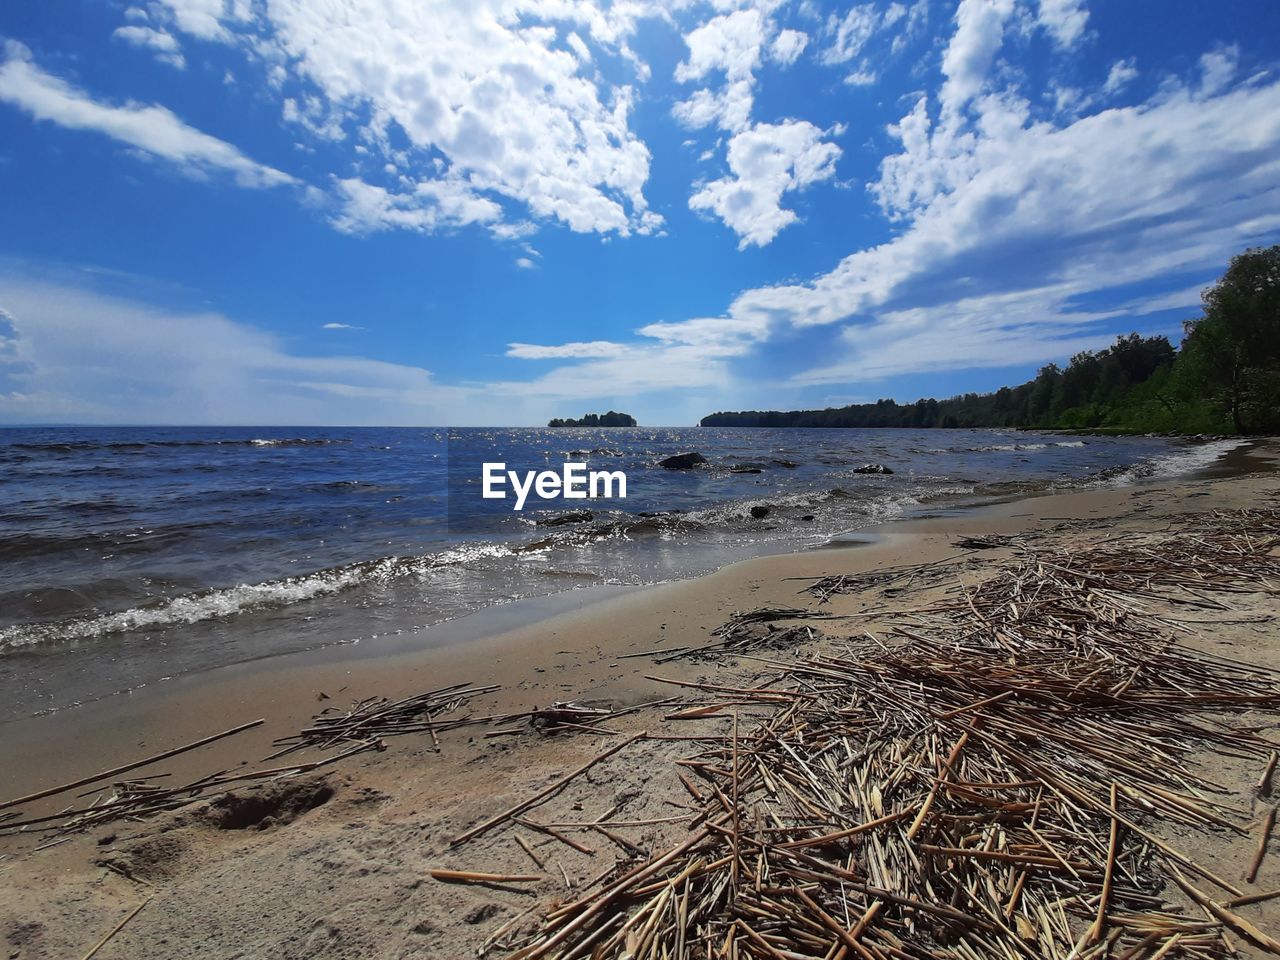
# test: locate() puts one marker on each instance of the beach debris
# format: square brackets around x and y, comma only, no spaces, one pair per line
[133,765]
[361,728]
[991,541]
[376,717]
[890,579]
[116,929]
[569,717]
[995,778]
[682,461]
[467,876]
[541,796]
[136,799]
[873,468]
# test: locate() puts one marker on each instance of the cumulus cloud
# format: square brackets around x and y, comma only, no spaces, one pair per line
[765,160]
[147,127]
[851,32]
[161,42]
[1039,236]
[1121,74]
[1037,216]
[484,89]
[788,45]
[764,163]
[427,207]
[1065,20]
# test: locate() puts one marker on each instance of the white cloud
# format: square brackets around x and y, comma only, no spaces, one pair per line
[427,207]
[968,58]
[80,356]
[764,163]
[1039,216]
[482,88]
[1217,69]
[565,351]
[524,263]
[1065,20]
[340,326]
[164,44]
[1121,74]
[788,45]
[206,18]
[730,44]
[851,32]
[861,78]
[729,107]
[150,128]
[851,35]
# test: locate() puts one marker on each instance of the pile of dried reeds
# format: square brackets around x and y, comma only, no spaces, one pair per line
[993,779]
[379,717]
[891,580]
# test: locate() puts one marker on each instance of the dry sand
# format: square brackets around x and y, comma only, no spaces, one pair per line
[336,864]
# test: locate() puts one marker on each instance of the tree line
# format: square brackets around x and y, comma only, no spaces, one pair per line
[1225,378]
[610,419]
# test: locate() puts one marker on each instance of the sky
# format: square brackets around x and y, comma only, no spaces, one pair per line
[493,212]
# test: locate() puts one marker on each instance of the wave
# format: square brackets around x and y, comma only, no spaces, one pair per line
[1180,462]
[245,598]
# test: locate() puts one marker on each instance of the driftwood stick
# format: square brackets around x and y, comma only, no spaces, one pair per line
[468,876]
[118,927]
[1267,823]
[125,768]
[1095,932]
[541,795]
[1264,782]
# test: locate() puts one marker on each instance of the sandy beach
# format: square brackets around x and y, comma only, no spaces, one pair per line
[336,862]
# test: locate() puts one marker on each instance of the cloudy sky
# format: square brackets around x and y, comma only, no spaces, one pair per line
[496,211]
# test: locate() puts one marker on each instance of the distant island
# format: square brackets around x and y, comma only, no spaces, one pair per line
[610,419]
[1224,379]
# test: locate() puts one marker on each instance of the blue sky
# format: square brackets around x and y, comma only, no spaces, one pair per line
[498,211]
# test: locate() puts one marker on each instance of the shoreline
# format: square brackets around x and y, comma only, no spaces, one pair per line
[499,618]
[586,653]
[188,703]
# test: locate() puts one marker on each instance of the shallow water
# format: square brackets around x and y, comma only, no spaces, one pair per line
[128,555]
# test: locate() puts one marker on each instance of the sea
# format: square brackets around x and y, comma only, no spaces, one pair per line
[129,556]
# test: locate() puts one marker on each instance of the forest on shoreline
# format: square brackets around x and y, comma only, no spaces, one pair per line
[1225,378]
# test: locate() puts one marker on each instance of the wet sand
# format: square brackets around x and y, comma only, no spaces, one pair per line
[349,878]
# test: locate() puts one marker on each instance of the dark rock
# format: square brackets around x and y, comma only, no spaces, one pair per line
[759,512]
[683,461]
[577,516]
[745,470]
[788,464]
[872,468]
[807,517]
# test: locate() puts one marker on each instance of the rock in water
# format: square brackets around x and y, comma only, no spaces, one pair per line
[578,516]
[683,461]
[872,468]
[759,512]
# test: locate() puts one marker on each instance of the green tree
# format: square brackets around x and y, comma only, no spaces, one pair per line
[1232,354]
